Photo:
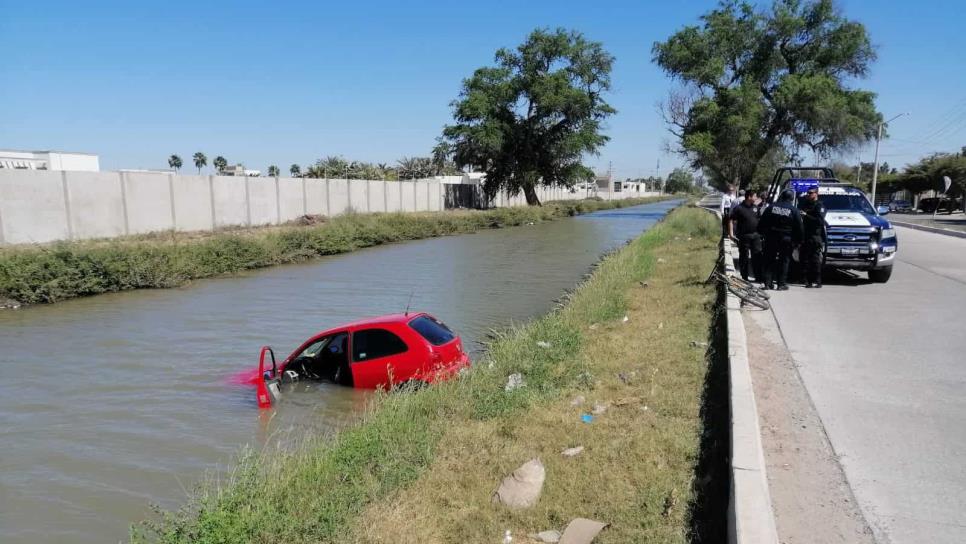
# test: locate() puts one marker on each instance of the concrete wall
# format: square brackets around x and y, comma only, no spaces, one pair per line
[42,206]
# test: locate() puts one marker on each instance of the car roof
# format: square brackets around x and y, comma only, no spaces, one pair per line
[388,319]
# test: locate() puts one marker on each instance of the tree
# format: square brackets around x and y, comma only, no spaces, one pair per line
[530,119]
[219,163]
[927,174]
[295,170]
[760,87]
[174,161]
[273,171]
[415,167]
[200,160]
[680,181]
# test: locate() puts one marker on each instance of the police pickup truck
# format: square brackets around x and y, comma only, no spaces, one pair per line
[859,237]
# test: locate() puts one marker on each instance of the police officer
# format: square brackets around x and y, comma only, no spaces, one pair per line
[813,245]
[744,229]
[781,226]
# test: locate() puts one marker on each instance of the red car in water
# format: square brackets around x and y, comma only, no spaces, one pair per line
[369,353]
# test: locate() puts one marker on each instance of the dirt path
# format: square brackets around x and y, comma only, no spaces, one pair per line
[810,495]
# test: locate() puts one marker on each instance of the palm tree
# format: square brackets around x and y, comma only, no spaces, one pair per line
[273,171]
[174,161]
[200,160]
[219,163]
[295,170]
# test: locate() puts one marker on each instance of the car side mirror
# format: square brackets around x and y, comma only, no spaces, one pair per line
[883,210]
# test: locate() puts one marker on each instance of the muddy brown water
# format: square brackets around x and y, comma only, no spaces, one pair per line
[109,404]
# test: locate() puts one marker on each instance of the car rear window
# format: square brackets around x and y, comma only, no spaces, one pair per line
[374,343]
[432,330]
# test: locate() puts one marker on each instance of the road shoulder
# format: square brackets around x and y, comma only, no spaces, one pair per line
[810,495]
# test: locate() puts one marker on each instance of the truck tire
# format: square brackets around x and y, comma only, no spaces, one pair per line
[880,275]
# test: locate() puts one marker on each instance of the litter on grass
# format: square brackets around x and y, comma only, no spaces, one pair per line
[581,531]
[514,381]
[521,489]
[551,536]
[543,344]
[586,418]
[571,452]
[578,400]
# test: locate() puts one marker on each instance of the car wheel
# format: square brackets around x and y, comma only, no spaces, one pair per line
[880,275]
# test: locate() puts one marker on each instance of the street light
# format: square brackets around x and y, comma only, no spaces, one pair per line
[875,170]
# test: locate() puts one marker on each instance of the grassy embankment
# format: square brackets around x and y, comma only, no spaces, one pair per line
[72,269]
[422,466]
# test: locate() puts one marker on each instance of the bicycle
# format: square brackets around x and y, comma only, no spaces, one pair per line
[745,290]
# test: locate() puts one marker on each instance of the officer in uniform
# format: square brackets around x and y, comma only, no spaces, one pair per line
[781,226]
[744,229]
[813,245]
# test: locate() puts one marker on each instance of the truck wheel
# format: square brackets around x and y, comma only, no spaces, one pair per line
[880,275]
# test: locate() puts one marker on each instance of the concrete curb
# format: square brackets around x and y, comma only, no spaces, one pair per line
[926,228]
[751,518]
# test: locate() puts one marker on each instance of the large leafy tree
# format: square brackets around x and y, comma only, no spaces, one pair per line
[530,119]
[200,160]
[175,162]
[680,181]
[761,87]
[927,174]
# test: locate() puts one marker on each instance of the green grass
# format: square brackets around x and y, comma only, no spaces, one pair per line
[421,465]
[61,271]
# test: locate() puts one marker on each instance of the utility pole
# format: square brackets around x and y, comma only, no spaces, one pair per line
[875,169]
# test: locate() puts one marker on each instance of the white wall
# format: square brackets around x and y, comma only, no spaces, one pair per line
[42,206]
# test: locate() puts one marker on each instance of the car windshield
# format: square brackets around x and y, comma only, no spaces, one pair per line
[847,203]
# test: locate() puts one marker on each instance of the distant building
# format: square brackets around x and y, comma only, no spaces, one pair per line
[49,160]
[466,178]
[239,170]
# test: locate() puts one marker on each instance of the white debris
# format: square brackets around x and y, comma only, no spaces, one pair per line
[543,344]
[507,537]
[660,325]
[599,408]
[578,400]
[661,260]
[551,536]
[514,381]
[570,452]
[581,531]
[625,320]
[522,488]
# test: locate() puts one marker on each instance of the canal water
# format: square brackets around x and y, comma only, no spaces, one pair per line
[111,403]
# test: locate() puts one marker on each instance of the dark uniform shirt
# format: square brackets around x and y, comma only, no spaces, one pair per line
[813,219]
[781,219]
[745,218]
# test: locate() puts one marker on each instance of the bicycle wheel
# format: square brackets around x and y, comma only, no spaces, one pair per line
[750,297]
[747,285]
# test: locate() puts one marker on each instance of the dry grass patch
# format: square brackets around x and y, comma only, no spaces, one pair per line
[637,467]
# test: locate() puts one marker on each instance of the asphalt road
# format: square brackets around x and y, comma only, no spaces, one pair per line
[885,365]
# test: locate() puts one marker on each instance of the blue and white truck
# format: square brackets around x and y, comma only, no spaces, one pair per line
[859,236]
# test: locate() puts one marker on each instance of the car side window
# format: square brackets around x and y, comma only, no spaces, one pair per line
[374,343]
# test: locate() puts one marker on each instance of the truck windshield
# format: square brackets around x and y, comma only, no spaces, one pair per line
[847,203]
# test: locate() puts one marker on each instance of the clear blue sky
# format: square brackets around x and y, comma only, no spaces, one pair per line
[275,83]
